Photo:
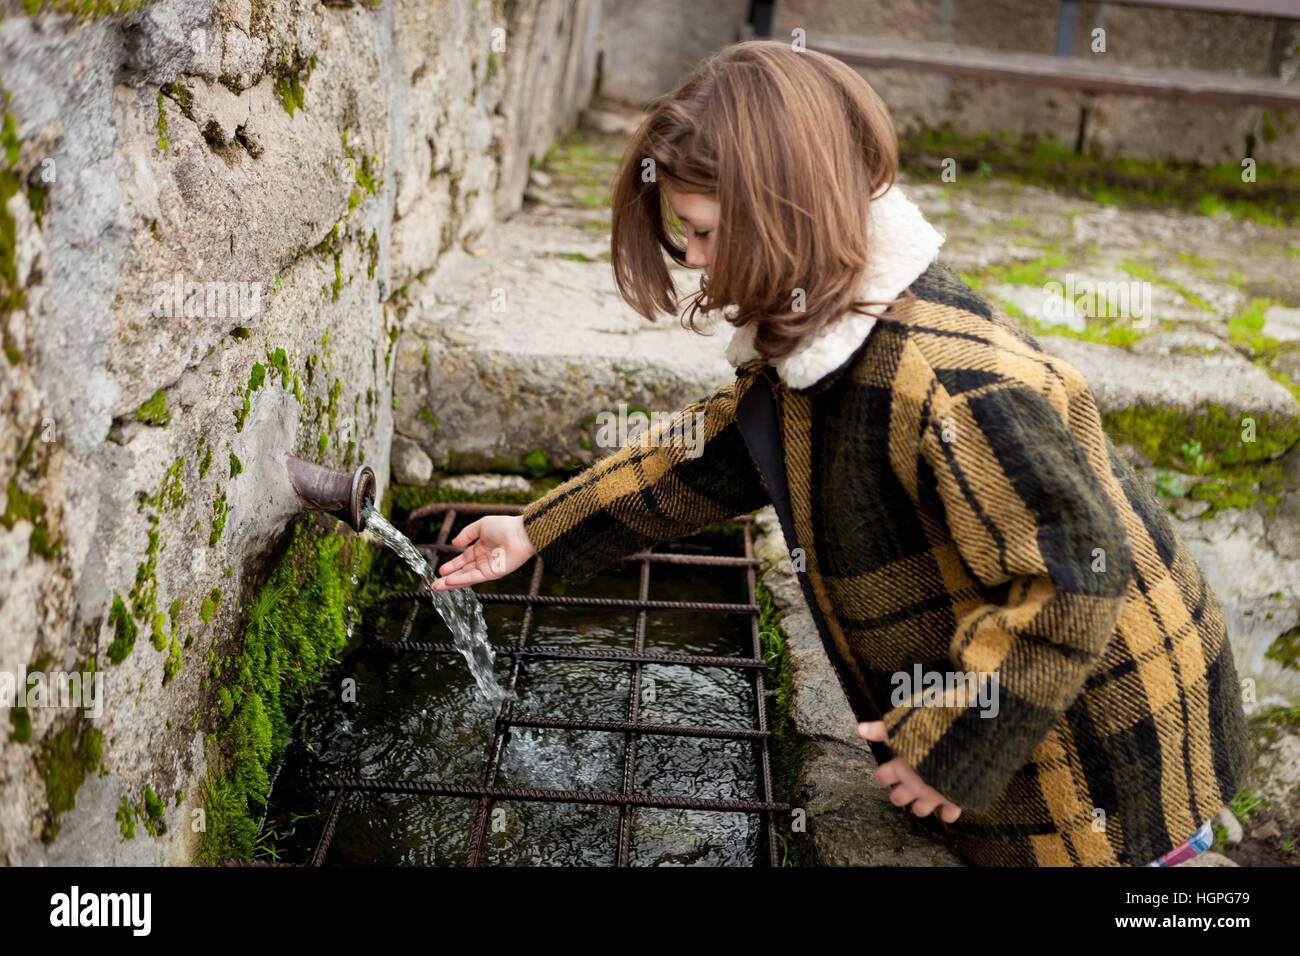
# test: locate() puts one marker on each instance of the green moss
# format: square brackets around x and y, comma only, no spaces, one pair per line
[236,466]
[425,414]
[22,723]
[209,605]
[279,363]
[159,632]
[322,444]
[289,85]
[1286,649]
[219,512]
[126,816]
[206,462]
[332,408]
[9,140]
[152,805]
[363,171]
[536,463]
[293,629]
[172,666]
[64,760]
[171,494]
[1208,443]
[124,631]
[21,506]
[1247,328]
[337,285]
[162,124]
[83,10]
[788,748]
[406,498]
[145,592]
[11,183]
[1162,433]
[180,796]
[392,344]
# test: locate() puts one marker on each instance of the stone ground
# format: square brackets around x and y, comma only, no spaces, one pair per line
[506,355]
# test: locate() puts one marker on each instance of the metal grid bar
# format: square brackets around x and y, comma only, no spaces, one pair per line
[633,715]
[626,799]
[568,654]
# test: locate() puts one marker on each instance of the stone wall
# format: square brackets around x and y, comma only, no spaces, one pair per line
[212,212]
[1139,127]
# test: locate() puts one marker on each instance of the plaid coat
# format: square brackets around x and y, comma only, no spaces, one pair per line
[960,508]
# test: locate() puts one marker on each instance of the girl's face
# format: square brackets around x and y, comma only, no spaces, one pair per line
[699,215]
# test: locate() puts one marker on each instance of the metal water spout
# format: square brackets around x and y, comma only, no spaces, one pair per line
[339,493]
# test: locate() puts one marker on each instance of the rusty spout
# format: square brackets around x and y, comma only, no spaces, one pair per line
[336,493]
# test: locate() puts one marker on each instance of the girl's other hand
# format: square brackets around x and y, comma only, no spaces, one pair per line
[907,787]
[494,546]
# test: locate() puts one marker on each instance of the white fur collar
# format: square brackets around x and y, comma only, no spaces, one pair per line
[902,244]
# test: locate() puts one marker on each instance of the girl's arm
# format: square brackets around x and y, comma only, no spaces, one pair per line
[1028,513]
[669,482]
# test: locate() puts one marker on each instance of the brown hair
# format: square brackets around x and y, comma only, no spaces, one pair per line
[792,144]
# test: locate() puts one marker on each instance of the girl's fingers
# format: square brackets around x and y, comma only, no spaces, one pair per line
[454,564]
[902,795]
[873,730]
[885,775]
[458,579]
[467,534]
[924,806]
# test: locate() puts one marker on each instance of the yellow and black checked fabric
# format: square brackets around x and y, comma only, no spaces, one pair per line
[671,480]
[962,513]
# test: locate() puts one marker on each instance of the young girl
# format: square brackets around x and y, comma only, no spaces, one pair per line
[960,518]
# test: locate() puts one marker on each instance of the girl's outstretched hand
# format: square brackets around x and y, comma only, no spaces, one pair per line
[494,546]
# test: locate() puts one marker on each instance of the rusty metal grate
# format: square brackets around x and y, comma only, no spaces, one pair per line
[632,729]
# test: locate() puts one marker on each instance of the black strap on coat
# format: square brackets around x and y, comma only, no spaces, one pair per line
[756,414]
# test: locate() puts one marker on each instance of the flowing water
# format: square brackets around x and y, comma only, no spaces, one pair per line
[459,608]
[421,717]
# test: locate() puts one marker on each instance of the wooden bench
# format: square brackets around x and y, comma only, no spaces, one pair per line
[1101,74]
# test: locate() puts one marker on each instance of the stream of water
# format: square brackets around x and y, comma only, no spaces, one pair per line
[422,717]
[459,609]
